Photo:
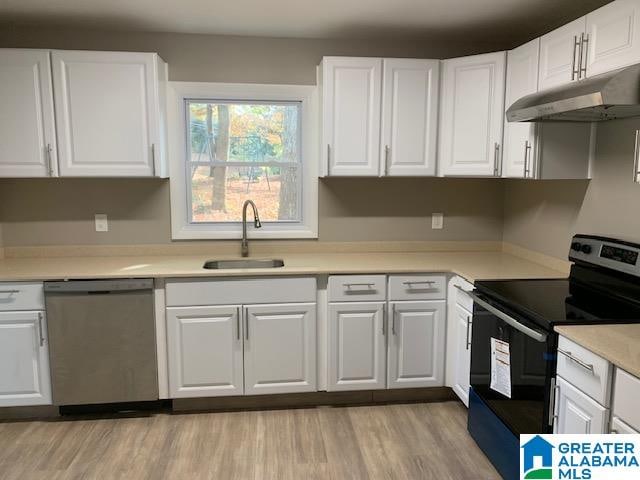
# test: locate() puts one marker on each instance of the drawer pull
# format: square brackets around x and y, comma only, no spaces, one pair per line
[586,366]
[349,286]
[10,292]
[422,282]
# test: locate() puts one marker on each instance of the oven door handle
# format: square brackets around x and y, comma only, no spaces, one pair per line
[529,332]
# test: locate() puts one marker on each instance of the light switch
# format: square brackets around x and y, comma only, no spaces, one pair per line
[102,224]
[437,221]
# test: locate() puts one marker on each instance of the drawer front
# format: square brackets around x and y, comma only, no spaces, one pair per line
[585,370]
[460,287]
[21,296]
[417,287]
[625,398]
[240,291]
[357,288]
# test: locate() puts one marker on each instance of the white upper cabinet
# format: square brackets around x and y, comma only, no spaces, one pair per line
[409,117]
[416,344]
[520,137]
[560,60]
[351,102]
[280,348]
[472,115]
[108,113]
[613,36]
[27,129]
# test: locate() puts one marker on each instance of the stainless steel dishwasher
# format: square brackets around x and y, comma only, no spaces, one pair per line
[102,343]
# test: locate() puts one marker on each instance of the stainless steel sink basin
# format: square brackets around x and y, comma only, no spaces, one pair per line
[243,263]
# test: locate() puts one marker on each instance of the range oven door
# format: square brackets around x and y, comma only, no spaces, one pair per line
[533,364]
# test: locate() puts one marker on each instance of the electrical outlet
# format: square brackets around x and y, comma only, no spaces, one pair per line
[102,223]
[437,221]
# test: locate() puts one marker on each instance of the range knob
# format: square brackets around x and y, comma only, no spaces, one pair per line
[586,249]
[576,246]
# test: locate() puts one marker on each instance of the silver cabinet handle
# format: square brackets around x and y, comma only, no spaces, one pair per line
[245,313]
[49,161]
[422,282]
[386,159]
[575,73]
[496,159]
[238,323]
[468,342]
[584,52]
[569,355]
[384,320]
[529,332]
[527,149]
[40,332]
[393,318]
[552,400]
[10,292]
[348,286]
[328,159]
[636,159]
[153,158]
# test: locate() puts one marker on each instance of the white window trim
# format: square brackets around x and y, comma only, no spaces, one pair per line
[178,92]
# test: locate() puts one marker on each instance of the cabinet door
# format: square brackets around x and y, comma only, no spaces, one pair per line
[24,359]
[519,137]
[280,348]
[351,100]
[106,112]
[204,351]
[578,413]
[409,116]
[472,115]
[620,427]
[613,36]
[357,346]
[560,55]
[416,344]
[27,132]
[462,368]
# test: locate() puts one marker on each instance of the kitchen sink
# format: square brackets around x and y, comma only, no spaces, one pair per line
[243,263]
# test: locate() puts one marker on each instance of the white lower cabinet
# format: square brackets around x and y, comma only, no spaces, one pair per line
[280,348]
[205,351]
[462,353]
[416,344]
[357,346]
[24,359]
[578,413]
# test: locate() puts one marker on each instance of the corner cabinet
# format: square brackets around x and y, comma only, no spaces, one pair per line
[471,115]
[379,116]
[27,126]
[109,113]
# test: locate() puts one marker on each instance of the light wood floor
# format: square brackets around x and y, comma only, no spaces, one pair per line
[413,441]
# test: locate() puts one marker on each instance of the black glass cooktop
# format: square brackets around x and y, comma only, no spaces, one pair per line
[562,301]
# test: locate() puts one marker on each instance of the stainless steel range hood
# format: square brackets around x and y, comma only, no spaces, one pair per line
[603,97]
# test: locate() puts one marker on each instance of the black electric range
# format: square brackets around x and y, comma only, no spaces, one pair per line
[603,287]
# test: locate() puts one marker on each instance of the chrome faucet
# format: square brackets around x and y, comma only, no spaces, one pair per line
[256,224]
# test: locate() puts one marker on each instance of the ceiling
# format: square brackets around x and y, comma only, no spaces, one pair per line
[499,20]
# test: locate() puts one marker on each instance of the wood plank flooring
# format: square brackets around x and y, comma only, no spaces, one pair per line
[408,442]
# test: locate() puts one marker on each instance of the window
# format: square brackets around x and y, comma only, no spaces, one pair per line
[240,142]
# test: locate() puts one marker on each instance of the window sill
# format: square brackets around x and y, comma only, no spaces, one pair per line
[207,233]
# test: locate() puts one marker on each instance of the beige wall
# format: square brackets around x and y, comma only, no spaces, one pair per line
[60,211]
[544,215]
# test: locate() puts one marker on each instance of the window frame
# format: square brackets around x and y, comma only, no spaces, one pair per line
[178,95]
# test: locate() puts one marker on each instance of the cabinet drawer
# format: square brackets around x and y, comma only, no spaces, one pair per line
[357,288]
[625,398]
[618,426]
[417,287]
[200,292]
[21,296]
[585,370]
[461,287]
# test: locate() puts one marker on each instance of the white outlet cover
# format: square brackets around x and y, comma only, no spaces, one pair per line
[437,221]
[102,223]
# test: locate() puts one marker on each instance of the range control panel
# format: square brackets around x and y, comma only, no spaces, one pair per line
[606,252]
